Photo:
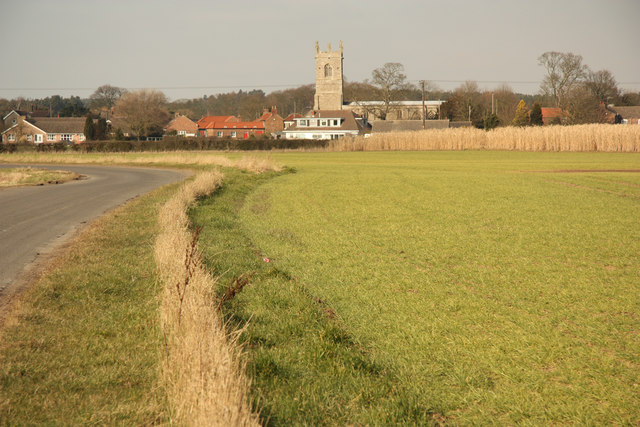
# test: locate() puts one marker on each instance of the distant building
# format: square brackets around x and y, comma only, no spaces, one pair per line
[330,94]
[43,129]
[207,123]
[273,122]
[329,79]
[183,126]
[399,110]
[326,124]
[627,115]
[553,115]
[384,126]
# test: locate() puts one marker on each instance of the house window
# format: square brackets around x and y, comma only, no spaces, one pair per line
[12,137]
[66,137]
[14,121]
[233,134]
[39,137]
[303,122]
[323,123]
[29,138]
[51,137]
[219,134]
[182,133]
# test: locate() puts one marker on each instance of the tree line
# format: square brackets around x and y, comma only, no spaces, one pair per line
[568,84]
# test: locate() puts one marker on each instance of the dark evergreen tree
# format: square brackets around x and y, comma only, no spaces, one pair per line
[100,132]
[491,122]
[89,128]
[536,115]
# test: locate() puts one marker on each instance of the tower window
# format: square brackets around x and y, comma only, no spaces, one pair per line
[328,71]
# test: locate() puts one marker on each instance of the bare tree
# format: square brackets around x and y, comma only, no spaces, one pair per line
[105,97]
[144,111]
[505,103]
[564,72]
[584,106]
[392,83]
[602,85]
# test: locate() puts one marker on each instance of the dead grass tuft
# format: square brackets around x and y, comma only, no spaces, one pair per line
[203,372]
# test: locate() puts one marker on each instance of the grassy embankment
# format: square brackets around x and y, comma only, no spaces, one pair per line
[460,287]
[15,177]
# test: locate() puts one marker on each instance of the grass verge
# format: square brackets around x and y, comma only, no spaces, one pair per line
[202,372]
[13,177]
[83,346]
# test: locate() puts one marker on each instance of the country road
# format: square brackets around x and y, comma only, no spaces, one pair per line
[36,220]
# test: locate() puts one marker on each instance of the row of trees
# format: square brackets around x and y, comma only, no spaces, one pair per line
[568,84]
[582,93]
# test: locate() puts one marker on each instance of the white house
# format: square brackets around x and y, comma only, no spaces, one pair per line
[326,124]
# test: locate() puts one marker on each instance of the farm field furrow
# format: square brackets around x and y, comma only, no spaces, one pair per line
[482,286]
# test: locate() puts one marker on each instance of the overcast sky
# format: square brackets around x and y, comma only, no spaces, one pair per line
[191,48]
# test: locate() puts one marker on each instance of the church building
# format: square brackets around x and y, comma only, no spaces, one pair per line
[329,80]
[327,120]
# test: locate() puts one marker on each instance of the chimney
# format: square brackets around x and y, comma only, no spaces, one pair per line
[274,110]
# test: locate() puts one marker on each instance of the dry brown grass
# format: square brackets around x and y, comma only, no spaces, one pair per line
[203,371]
[595,137]
[185,158]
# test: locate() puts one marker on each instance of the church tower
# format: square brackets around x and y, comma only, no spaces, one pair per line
[329,84]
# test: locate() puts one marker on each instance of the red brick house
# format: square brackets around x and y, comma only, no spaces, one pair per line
[240,130]
[553,115]
[273,122]
[206,122]
[183,126]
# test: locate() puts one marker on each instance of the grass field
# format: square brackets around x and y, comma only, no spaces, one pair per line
[436,287]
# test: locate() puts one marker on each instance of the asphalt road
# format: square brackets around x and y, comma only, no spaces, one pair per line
[34,221]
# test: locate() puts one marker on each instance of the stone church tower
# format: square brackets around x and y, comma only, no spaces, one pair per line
[329,84]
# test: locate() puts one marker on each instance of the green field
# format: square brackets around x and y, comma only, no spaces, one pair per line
[436,287]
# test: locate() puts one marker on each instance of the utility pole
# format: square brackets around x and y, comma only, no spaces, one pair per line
[424,111]
[492,108]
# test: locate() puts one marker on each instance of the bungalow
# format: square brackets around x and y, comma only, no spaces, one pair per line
[627,115]
[326,124]
[183,126]
[46,130]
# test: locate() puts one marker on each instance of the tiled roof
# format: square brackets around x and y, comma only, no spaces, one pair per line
[61,124]
[407,125]
[631,112]
[292,116]
[551,112]
[203,122]
[235,125]
[182,123]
